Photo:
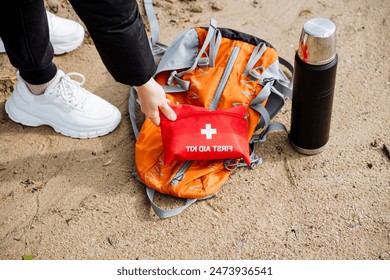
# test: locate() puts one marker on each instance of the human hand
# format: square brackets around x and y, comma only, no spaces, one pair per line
[152,97]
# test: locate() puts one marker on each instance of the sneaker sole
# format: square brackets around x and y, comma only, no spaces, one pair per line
[27,119]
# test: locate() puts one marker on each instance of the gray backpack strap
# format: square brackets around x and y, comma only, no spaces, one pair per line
[287,64]
[214,47]
[256,55]
[212,39]
[158,49]
[265,116]
[263,94]
[283,85]
[133,119]
[174,89]
[153,22]
[209,37]
[262,137]
[167,213]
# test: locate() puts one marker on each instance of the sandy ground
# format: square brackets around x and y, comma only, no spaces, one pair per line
[62,198]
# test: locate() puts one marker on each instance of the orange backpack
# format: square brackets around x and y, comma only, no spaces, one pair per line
[214,68]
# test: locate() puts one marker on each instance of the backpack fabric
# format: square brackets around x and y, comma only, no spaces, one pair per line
[213,68]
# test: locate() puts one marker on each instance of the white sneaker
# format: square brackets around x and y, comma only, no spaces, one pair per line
[65,35]
[65,106]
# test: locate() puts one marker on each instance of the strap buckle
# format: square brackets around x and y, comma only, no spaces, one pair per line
[255,75]
[233,164]
[171,77]
[203,62]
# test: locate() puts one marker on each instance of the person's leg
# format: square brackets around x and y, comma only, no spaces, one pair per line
[25,33]
[59,102]
[119,35]
[65,35]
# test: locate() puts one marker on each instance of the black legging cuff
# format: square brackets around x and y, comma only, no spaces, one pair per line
[41,76]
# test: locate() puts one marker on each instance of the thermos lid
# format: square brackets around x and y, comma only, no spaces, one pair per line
[317,45]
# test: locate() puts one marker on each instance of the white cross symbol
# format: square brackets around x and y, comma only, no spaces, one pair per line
[208,131]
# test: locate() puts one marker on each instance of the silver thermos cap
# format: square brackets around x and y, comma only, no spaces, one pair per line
[317,44]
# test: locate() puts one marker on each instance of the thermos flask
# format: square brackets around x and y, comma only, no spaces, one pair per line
[313,86]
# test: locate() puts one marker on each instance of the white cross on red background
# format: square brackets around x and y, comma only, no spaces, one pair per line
[208,131]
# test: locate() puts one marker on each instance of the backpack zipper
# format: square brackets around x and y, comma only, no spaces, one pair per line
[225,76]
[213,105]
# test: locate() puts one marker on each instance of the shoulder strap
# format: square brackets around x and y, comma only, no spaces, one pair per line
[153,22]
[133,120]
[158,48]
[212,41]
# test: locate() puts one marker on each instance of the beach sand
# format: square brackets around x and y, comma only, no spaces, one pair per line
[63,198]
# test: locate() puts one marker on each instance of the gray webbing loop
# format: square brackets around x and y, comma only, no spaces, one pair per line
[167,213]
[203,62]
[263,94]
[262,137]
[256,55]
[264,114]
[255,74]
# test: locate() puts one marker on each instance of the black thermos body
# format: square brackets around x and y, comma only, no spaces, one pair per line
[313,87]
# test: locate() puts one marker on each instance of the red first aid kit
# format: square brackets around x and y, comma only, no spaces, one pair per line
[201,134]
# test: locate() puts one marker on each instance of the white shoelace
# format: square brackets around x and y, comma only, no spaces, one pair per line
[71,91]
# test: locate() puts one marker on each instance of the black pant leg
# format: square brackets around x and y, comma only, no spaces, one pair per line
[25,33]
[119,35]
